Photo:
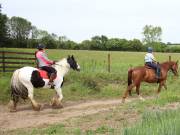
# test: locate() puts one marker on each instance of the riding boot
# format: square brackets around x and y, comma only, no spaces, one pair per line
[158,74]
[52,77]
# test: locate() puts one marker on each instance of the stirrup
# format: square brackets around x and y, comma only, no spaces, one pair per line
[158,79]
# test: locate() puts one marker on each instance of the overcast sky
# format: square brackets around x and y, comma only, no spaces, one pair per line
[81,19]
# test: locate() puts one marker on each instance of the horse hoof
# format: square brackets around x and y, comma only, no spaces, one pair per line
[141,98]
[13,110]
[59,106]
[123,101]
[38,107]
[12,106]
[157,96]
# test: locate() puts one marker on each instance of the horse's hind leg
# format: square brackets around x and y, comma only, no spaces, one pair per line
[129,88]
[13,104]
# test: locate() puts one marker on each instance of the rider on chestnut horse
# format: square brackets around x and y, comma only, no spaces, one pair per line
[140,74]
[150,61]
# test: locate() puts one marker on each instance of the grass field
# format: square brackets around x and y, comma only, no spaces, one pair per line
[95,82]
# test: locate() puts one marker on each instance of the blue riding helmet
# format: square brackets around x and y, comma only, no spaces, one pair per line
[40,46]
[149,49]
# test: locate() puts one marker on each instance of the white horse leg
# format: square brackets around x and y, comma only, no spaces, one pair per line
[59,93]
[35,105]
[56,101]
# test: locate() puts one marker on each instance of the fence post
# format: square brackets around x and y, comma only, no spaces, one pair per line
[3,61]
[109,63]
[169,57]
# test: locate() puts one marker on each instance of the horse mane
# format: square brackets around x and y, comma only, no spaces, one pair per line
[167,63]
[61,61]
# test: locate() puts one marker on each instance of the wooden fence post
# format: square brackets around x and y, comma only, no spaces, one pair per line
[3,61]
[109,63]
[169,57]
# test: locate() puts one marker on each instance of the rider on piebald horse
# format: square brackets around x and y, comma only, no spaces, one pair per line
[150,61]
[45,64]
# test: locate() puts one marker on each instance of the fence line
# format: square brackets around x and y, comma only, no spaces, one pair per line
[14,60]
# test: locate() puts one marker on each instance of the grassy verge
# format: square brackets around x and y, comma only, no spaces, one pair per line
[157,123]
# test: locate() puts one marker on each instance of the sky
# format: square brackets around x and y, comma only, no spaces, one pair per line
[80,20]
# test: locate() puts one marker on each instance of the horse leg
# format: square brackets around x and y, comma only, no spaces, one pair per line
[159,88]
[138,93]
[137,88]
[130,94]
[165,86]
[35,105]
[129,88]
[56,100]
[13,104]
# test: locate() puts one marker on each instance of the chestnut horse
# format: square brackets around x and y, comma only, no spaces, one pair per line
[139,74]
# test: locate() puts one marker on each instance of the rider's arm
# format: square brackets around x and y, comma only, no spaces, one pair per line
[45,59]
[153,58]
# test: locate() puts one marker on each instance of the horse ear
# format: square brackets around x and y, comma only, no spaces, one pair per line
[72,57]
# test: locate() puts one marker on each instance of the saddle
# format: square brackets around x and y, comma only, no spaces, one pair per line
[146,66]
[157,72]
[44,74]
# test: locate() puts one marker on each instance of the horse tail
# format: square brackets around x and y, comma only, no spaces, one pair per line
[17,88]
[130,76]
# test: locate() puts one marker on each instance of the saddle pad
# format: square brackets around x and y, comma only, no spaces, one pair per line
[43,74]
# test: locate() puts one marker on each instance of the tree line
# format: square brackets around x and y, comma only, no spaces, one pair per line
[18,32]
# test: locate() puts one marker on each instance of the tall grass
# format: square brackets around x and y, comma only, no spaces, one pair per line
[157,123]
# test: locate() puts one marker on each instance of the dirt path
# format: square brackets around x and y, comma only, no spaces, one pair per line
[25,117]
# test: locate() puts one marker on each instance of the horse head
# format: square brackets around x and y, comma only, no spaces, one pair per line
[67,63]
[72,63]
[174,67]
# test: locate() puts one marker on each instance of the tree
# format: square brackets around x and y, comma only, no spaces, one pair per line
[49,42]
[113,44]
[85,45]
[42,33]
[19,29]
[61,42]
[34,32]
[151,34]
[3,28]
[99,42]
[54,36]
[136,45]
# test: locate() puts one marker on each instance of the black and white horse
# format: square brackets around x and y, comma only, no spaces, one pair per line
[25,79]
